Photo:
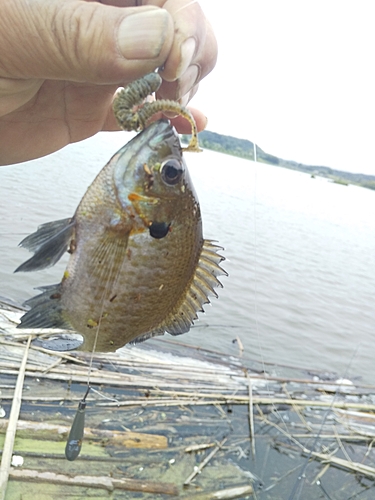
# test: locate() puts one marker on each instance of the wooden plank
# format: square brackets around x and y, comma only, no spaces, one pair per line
[102,482]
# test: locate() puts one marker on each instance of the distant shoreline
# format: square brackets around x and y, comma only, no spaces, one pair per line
[244,148]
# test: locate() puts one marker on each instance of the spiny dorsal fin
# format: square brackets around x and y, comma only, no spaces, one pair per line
[49,243]
[202,286]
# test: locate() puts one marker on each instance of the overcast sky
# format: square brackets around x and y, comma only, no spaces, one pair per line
[297,77]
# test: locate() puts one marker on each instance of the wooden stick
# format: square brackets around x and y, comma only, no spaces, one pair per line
[198,469]
[12,425]
[103,482]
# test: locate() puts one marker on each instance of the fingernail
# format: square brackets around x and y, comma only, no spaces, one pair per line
[188,80]
[142,35]
[169,114]
[187,53]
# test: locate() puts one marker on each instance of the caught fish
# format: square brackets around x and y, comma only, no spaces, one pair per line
[139,265]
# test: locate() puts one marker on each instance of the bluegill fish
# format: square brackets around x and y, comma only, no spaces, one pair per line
[139,265]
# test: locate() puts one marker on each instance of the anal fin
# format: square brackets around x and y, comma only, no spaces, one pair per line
[48,243]
[45,310]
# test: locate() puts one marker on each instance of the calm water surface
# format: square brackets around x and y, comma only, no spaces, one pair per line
[301,252]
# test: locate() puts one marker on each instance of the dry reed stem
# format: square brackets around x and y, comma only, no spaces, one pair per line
[62,355]
[325,458]
[135,381]
[198,470]
[365,470]
[227,494]
[369,448]
[280,478]
[297,410]
[251,414]
[52,365]
[320,473]
[338,439]
[198,447]
[205,399]
[12,425]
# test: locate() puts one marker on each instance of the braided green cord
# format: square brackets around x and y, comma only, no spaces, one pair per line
[132,113]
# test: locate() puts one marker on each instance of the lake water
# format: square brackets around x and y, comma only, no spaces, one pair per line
[301,253]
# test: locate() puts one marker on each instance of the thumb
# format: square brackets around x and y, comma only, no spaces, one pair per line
[82,41]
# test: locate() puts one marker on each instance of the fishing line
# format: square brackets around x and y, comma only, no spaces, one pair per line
[256,278]
[75,438]
[103,396]
[259,342]
[256,262]
[324,490]
[298,482]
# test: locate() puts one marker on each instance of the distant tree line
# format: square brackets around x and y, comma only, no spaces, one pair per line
[244,148]
[232,146]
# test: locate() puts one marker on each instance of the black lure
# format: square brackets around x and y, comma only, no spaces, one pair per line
[74,443]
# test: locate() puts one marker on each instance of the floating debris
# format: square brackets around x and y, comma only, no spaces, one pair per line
[172,411]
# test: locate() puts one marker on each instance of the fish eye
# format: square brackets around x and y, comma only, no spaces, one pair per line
[171,172]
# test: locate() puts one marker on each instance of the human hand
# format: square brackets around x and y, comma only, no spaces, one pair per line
[61,63]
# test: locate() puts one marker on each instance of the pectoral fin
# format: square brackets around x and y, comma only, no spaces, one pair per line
[48,243]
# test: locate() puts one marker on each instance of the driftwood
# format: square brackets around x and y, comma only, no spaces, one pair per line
[106,483]
[127,439]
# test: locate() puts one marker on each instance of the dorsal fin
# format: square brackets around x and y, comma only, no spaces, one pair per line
[201,287]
